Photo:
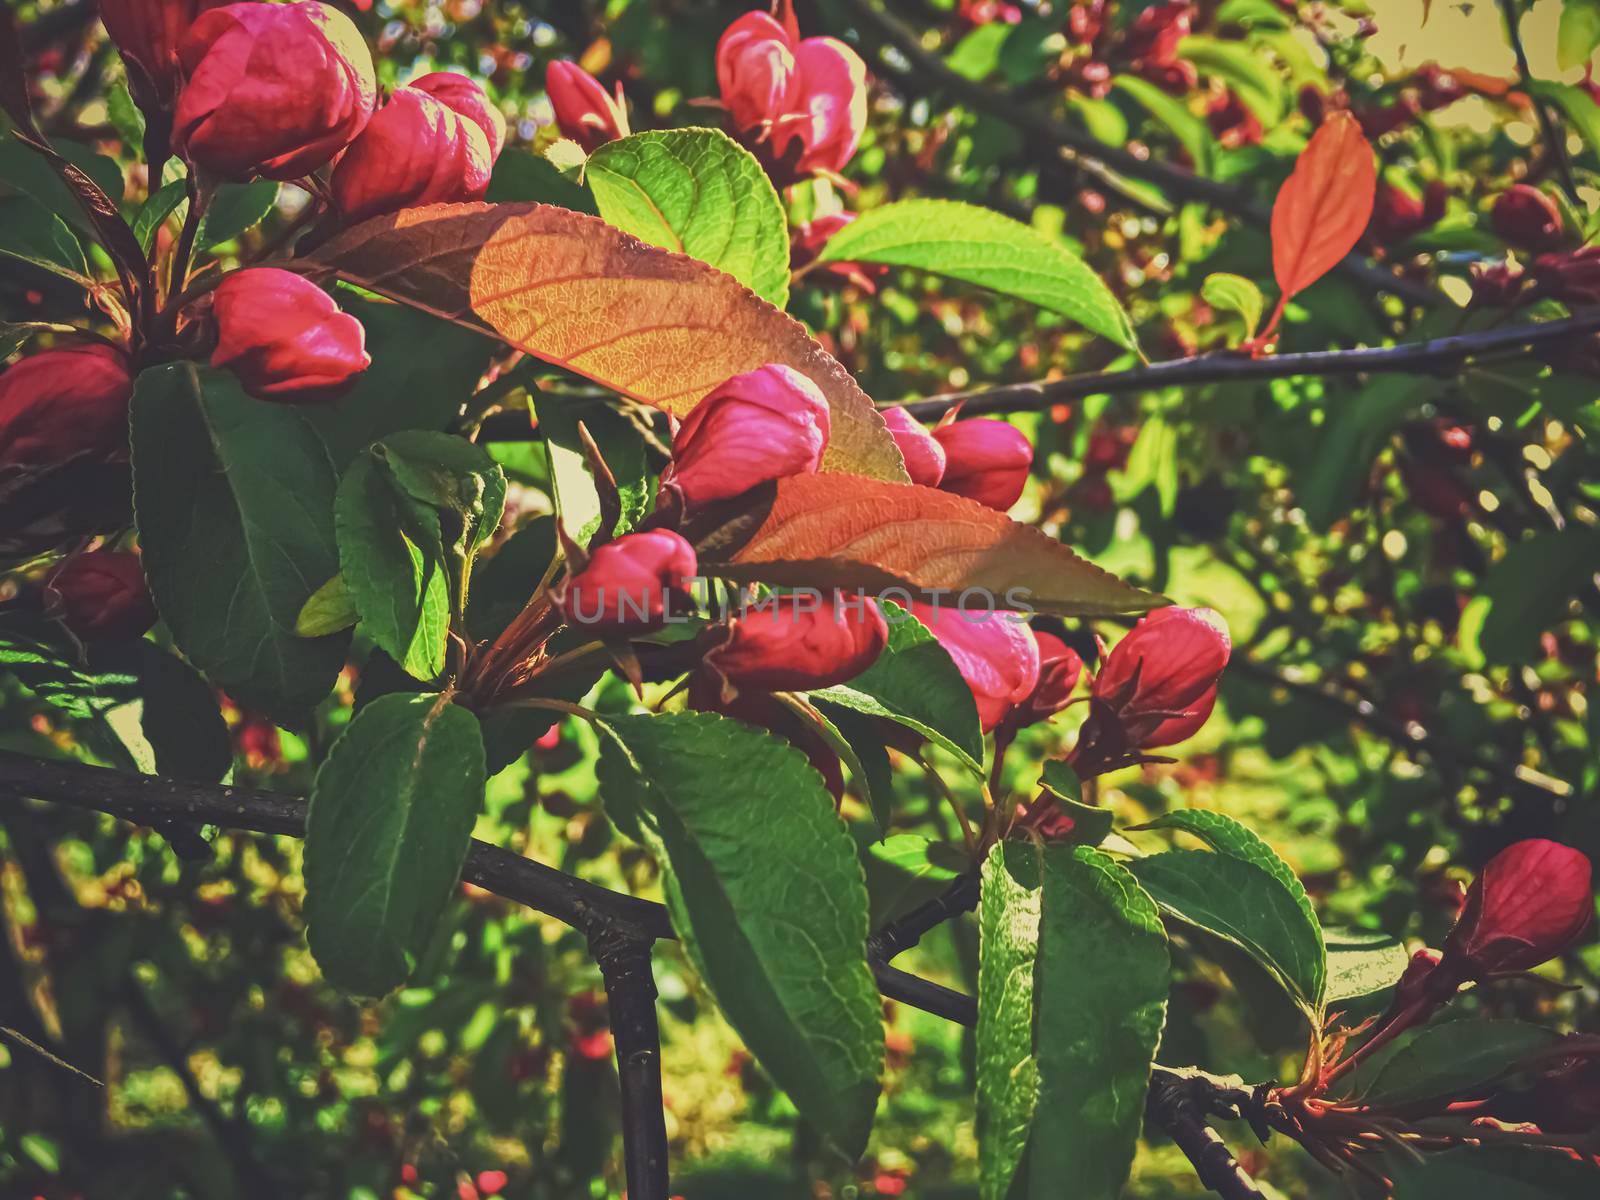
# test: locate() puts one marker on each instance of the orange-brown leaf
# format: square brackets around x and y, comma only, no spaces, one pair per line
[570,289]
[855,532]
[1324,206]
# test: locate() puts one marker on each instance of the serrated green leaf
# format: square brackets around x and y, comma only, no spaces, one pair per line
[1009,900]
[1451,1059]
[916,683]
[392,810]
[453,476]
[234,499]
[1235,293]
[699,192]
[1361,964]
[977,246]
[393,565]
[1096,1031]
[765,890]
[1578,34]
[620,444]
[1090,824]
[1245,905]
[1227,836]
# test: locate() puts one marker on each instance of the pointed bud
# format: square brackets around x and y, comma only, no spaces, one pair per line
[1059,671]
[924,455]
[416,150]
[585,111]
[147,32]
[1532,902]
[101,596]
[763,425]
[629,585]
[995,652]
[799,642]
[985,460]
[272,89]
[1528,219]
[285,338]
[1161,679]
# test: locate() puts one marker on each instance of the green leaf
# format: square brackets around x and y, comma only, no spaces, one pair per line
[1350,439]
[392,810]
[1580,107]
[1243,68]
[1097,1030]
[1009,900]
[1362,963]
[452,475]
[154,212]
[1190,130]
[1530,588]
[237,207]
[1090,824]
[1246,906]
[906,870]
[1152,463]
[917,683]
[32,233]
[178,713]
[125,117]
[765,890]
[1227,836]
[523,175]
[423,369]
[620,444]
[1060,779]
[23,170]
[392,561]
[977,246]
[1578,34]
[699,192]
[1235,293]
[234,499]
[977,55]
[330,609]
[1490,1173]
[502,585]
[1453,1059]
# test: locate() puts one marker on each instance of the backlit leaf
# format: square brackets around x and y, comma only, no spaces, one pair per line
[1235,293]
[571,290]
[1324,206]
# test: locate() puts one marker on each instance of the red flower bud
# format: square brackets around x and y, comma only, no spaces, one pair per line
[416,150]
[585,111]
[1161,679]
[763,425]
[1572,278]
[1233,124]
[628,584]
[62,405]
[466,97]
[987,12]
[1532,902]
[799,642]
[1398,215]
[1438,87]
[1153,38]
[1527,219]
[923,454]
[995,652]
[808,97]
[985,460]
[101,596]
[1377,122]
[1496,286]
[147,32]
[1059,671]
[272,89]
[285,338]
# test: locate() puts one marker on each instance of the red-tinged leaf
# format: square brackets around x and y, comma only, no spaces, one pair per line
[570,289]
[1323,208]
[855,532]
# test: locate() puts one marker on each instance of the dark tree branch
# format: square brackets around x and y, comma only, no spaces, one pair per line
[1046,134]
[1172,1107]
[1555,138]
[624,963]
[1414,358]
[900,935]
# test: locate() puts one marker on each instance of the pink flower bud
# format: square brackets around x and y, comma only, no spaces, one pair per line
[147,32]
[101,596]
[272,89]
[924,455]
[763,425]
[1528,219]
[1161,679]
[985,460]
[285,338]
[62,405]
[1573,278]
[995,652]
[628,584]
[414,151]
[466,97]
[755,68]
[1532,902]
[585,111]
[1059,671]
[1153,38]
[799,642]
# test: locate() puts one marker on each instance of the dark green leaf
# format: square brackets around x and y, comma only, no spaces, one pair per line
[917,683]
[619,443]
[1453,1059]
[764,887]
[179,715]
[1346,445]
[1492,1173]
[503,584]
[1530,588]
[32,233]
[23,170]
[1244,69]
[523,175]
[871,758]
[235,507]
[699,192]
[392,811]
[1245,905]
[1189,129]
[452,475]
[155,211]
[981,247]
[906,870]
[125,117]
[1090,823]
[236,208]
